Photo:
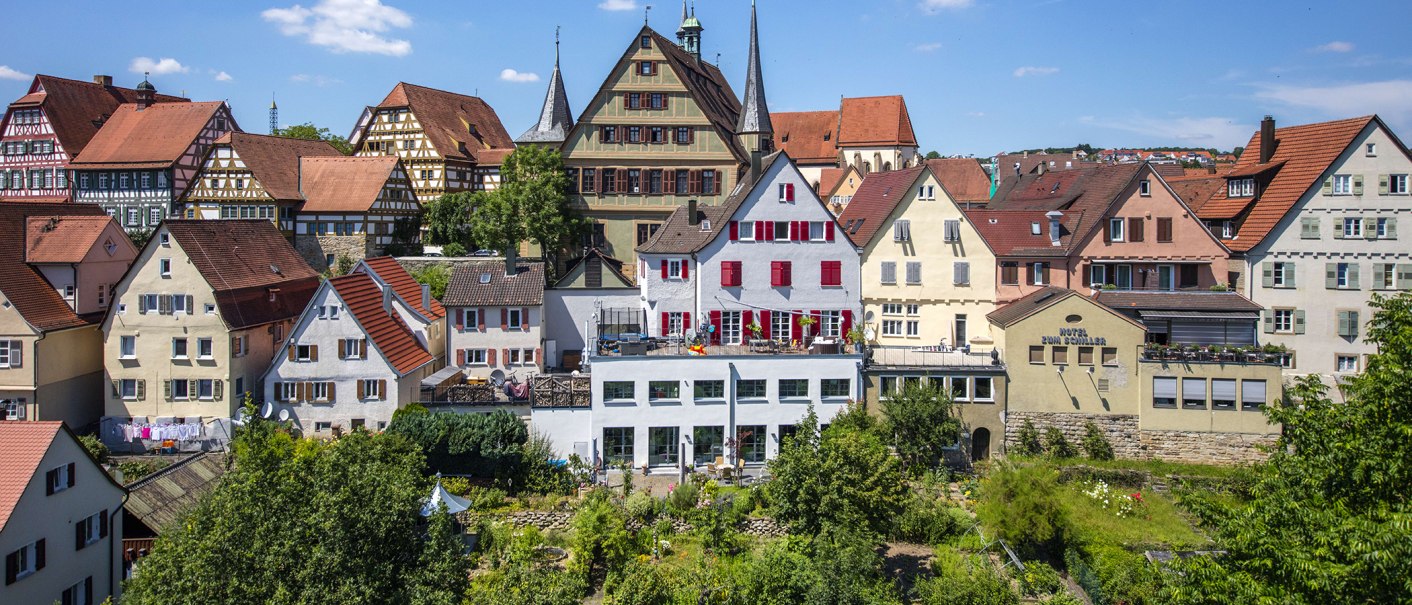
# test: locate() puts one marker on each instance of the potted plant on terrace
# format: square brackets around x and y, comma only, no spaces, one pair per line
[855,337]
[806,325]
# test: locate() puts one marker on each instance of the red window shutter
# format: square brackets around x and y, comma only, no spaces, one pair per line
[504,318]
[759,230]
[665,320]
[524,319]
[774,273]
[1108,232]
[690,135]
[787,271]
[622,136]
[716,323]
[695,182]
[669,181]
[490,357]
[664,268]
[720,186]
[764,324]
[460,357]
[796,331]
[794,231]
[847,321]
[683,268]
[735,230]
[829,229]
[626,105]
[725,274]
[746,318]
[789,192]
[770,231]
[480,320]
[686,321]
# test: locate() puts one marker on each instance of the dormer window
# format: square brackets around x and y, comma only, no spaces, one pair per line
[1034,229]
[1240,188]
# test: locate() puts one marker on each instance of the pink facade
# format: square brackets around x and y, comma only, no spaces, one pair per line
[32,161]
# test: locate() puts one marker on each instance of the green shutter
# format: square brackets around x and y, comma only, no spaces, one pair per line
[1404,277]
[1338,228]
[1289,275]
[1299,322]
[1309,227]
[1267,275]
[1357,184]
[1353,324]
[1391,228]
[1331,275]
[1379,276]
[1343,323]
[1269,317]
[1370,228]
[1329,186]
[1353,276]
[1382,184]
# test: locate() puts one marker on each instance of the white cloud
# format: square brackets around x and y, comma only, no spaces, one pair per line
[223,77]
[933,7]
[1335,47]
[314,79]
[1387,98]
[976,114]
[157,67]
[7,73]
[345,26]
[1218,132]
[510,75]
[618,5]
[1031,70]
[927,47]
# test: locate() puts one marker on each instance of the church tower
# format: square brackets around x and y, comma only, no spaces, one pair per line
[555,118]
[689,34]
[754,128]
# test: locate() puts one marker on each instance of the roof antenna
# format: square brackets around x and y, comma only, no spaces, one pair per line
[646,11]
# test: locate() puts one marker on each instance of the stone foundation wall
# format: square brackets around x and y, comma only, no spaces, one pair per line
[314,248]
[1130,441]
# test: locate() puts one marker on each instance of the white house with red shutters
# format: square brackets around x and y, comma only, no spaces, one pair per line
[770,255]
[497,318]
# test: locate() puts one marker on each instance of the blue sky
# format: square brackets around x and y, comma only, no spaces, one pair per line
[979,76]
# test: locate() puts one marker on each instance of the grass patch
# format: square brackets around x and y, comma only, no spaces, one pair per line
[1160,468]
[1157,523]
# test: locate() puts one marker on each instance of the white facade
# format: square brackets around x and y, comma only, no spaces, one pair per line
[569,313]
[485,339]
[822,266]
[745,397]
[1317,269]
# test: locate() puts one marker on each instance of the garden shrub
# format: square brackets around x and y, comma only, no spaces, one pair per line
[640,506]
[1027,441]
[1126,576]
[638,583]
[95,448]
[926,520]
[1057,445]
[781,574]
[683,498]
[964,580]
[1038,579]
[1095,444]
[1023,506]
[486,498]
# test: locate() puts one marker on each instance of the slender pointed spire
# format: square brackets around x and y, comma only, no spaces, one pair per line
[556,119]
[754,113]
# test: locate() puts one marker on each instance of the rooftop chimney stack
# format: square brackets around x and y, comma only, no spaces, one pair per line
[691,213]
[1054,216]
[103,80]
[512,260]
[1267,139]
[387,300]
[426,297]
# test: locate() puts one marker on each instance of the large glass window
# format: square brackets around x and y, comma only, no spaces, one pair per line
[730,327]
[982,389]
[794,388]
[617,444]
[780,327]
[710,389]
[1164,392]
[1194,393]
[751,442]
[663,390]
[1223,393]
[706,443]
[618,390]
[1252,394]
[662,445]
[750,389]
[835,388]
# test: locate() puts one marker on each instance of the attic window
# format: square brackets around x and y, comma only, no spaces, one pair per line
[485,278]
[1034,228]
[784,138]
[705,224]
[827,135]
[275,269]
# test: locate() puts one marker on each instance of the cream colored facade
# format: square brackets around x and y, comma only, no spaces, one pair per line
[139,382]
[227,188]
[955,290]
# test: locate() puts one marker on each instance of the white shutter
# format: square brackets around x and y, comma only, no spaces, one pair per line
[1252,392]
[1194,388]
[963,273]
[889,272]
[1223,389]
[1164,387]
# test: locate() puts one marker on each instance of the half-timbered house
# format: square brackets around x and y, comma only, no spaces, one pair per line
[448,142]
[252,176]
[44,129]
[354,208]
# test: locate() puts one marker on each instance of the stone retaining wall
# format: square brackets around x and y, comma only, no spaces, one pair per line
[1131,442]
[1121,429]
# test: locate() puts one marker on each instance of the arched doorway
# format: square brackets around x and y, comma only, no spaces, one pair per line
[980,444]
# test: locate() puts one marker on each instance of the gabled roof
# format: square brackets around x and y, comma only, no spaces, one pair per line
[1011,232]
[831,178]
[484,283]
[344,184]
[963,178]
[1306,152]
[76,109]
[608,263]
[1197,190]
[53,239]
[809,137]
[875,121]
[155,137]
[1005,163]
[874,201]
[1184,300]
[1042,299]
[460,126]
[274,161]
[678,236]
[35,298]
[244,260]
[22,446]
[1090,191]
[387,270]
[389,334]
[160,499]
[707,86]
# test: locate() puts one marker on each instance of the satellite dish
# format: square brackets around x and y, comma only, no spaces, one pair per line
[868,315]
[242,416]
[284,415]
[869,334]
[267,410]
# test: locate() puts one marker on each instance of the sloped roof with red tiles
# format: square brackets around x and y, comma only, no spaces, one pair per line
[53,239]
[1307,152]
[810,137]
[274,161]
[1089,191]
[830,179]
[389,334]
[1182,300]
[245,261]
[155,137]
[963,178]
[874,201]
[391,272]
[1011,232]
[34,297]
[22,446]
[459,126]
[76,109]
[344,184]
[1005,163]
[876,121]
[1042,299]
[1196,191]
[470,286]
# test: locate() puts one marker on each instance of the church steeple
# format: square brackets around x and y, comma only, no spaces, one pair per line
[754,128]
[555,118]
[689,34]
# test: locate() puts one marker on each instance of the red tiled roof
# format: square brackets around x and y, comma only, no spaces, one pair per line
[1306,151]
[155,137]
[459,126]
[22,447]
[874,201]
[52,239]
[1028,305]
[76,109]
[1011,232]
[1175,300]
[525,287]
[807,136]
[274,161]
[963,178]
[1005,163]
[344,184]
[390,272]
[1196,191]
[392,338]
[244,261]
[34,297]
[1089,191]
[876,121]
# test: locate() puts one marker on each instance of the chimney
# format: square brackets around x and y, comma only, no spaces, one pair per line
[102,80]
[426,297]
[755,166]
[691,213]
[1017,169]
[1039,168]
[512,260]
[1267,139]
[387,300]
[1054,216]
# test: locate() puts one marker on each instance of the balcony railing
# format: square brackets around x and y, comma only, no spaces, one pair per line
[935,357]
[1212,354]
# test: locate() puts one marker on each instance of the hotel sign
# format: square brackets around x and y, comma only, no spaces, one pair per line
[1073,336]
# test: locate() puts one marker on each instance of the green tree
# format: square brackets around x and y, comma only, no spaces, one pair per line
[448,219]
[309,132]
[933,155]
[94,447]
[1022,505]
[1027,441]
[1095,444]
[483,445]
[441,575]
[436,276]
[601,541]
[919,421]
[1330,520]
[531,204]
[839,477]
